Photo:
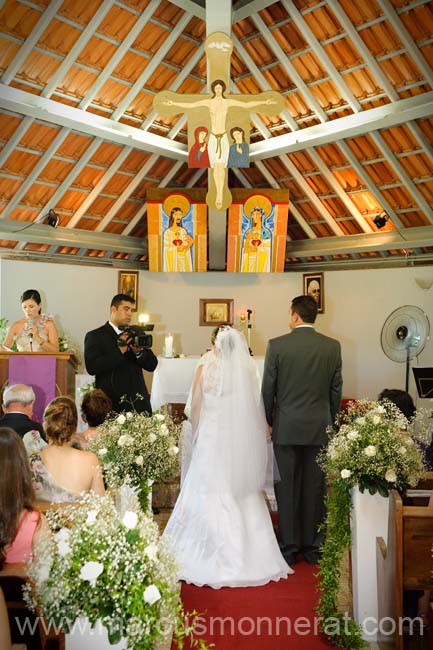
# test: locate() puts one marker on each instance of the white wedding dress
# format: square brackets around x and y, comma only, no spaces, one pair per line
[220,530]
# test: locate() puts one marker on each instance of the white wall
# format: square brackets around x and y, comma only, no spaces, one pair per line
[356,306]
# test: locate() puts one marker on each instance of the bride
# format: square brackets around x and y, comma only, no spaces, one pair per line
[220,529]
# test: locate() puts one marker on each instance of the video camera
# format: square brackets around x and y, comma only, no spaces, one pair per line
[138,336]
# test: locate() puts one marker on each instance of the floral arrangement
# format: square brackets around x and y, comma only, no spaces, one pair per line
[109,568]
[137,450]
[86,387]
[374,447]
[3,329]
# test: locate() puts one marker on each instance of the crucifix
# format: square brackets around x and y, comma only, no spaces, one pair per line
[214,119]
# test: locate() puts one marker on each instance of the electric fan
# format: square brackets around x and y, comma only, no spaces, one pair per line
[404,335]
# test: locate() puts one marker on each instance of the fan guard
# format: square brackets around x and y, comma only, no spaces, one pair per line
[404,333]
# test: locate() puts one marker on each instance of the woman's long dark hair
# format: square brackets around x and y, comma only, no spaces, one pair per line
[16,489]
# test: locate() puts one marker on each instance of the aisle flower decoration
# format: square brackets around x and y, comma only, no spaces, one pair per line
[376,448]
[137,450]
[112,569]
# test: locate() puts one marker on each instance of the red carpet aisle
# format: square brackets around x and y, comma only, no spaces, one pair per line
[246,618]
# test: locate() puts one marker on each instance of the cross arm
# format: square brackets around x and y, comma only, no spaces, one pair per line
[270,102]
[167,100]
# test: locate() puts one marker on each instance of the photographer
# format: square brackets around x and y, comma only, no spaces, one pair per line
[116,355]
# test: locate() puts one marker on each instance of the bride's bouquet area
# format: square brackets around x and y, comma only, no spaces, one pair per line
[377,449]
[109,568]
[136,450]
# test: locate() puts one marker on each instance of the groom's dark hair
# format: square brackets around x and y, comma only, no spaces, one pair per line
[305,307]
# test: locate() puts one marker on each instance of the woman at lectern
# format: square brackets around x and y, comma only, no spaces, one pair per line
[36,332]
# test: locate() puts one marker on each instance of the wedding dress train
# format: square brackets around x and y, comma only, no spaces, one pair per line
[220,528]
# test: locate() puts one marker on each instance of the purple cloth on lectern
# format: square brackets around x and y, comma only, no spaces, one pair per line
[39,372]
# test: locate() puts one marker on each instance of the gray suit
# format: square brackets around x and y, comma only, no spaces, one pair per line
[301,389]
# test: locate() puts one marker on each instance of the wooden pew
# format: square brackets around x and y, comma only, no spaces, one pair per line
[404,560]
[12,579]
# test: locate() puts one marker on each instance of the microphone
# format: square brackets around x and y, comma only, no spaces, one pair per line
[30,323]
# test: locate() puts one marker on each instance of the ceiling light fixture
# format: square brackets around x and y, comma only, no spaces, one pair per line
[380,220]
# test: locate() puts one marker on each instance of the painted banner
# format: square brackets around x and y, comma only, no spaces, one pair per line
[177,230]
[257,231]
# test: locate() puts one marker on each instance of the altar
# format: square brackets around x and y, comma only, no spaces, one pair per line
[172,379]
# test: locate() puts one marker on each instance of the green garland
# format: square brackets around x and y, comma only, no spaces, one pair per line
[341,630]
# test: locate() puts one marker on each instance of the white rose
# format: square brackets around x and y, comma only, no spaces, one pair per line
[402,450]
[91,516]
[381,409]
[121,419]
[152,437]
[139,460]
[125,440]
[376,419]
[102,451]
[151,551]
[409,441]
[63,547]
[353,435]
[345,473]
[360,420]
[173,451]
[159,416]
[63,535]
[163,430]
[151,594]
[390,476]
[129,415]
[370,451]
[44,570]
[90,571]
[130,519]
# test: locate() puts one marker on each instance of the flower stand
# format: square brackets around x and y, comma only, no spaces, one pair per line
[369,519]
[84,637]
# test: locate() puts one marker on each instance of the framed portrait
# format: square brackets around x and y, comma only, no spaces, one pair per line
[314,286]
[216,311]
[128,284]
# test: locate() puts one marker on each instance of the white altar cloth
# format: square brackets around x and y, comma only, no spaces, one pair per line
[172,379]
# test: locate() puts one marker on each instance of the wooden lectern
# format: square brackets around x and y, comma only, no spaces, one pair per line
[66,369]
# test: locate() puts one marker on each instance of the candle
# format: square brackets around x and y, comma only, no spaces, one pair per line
[169,346]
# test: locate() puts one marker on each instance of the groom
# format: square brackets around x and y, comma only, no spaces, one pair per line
[301,389]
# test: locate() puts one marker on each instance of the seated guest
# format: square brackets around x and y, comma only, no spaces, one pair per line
[20,525]
[59,471]
[5,635]
[401,399]
[18,402]
[36,332]
[95,407]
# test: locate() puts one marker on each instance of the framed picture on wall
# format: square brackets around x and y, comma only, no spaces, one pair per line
[314,286]
[216,311]
[128,284]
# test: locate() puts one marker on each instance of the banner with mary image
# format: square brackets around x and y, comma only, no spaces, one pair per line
[257,231]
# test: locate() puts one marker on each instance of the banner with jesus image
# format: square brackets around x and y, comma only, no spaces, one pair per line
[177,230]
[257,231]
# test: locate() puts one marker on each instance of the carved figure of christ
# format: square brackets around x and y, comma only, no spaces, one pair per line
[218,113]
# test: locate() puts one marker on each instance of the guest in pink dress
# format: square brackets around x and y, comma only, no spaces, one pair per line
[20,525]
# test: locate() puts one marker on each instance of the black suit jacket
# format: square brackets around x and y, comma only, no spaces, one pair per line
[21,423]
[302,386]
[115,373]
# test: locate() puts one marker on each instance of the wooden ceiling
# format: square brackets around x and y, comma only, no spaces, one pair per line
[79,135]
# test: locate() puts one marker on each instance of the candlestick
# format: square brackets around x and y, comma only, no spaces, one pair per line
[168,352]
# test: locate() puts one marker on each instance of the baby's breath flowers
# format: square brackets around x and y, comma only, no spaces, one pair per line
[376,448]
[137,450]
[116,571]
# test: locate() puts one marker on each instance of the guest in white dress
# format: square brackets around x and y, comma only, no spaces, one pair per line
[36,332]
[220,529]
